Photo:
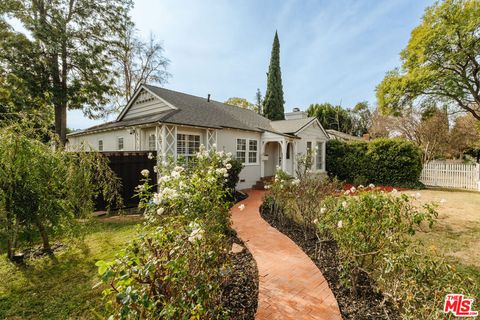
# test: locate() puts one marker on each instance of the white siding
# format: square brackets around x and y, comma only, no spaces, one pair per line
[144,105]
[314,134]
[109,138]
[227,141]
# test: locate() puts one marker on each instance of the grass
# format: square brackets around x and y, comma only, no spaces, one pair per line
[61,288]
[457,231]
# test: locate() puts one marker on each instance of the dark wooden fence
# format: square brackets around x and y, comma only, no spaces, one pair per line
[127,166]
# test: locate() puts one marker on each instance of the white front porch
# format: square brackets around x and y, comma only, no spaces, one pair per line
[277,151]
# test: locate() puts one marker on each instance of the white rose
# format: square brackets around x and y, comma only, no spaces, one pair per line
[145,172]
[150,156]
[228,166]
[371,185]
[241,207]
[160,211]
[323,210]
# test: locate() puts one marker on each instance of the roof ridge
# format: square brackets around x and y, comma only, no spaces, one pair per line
[211,100]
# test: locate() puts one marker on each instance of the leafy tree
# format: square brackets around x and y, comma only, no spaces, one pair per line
[273,106]
[44,190]
[76,42]
[465,137]
[23,79]
[441,61]
[332,117]
[240,102]
[138,61]
[361,118]
[259,101]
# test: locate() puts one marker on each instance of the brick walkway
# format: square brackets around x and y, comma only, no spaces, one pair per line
[291,286]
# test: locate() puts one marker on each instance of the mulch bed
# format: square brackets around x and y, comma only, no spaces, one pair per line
[240,291]
[368,304]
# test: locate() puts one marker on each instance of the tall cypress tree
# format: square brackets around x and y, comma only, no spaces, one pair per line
[273,103]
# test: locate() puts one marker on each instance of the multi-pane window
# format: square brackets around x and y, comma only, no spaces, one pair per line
[247,151]
[120,143]
[151,142]
[241,150]
[187,145]
[319,156]
[252,151]
[100,145]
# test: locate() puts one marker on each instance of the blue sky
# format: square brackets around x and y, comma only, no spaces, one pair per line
[330,51]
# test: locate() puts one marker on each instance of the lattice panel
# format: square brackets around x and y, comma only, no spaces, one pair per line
[170,140]
[211,138]
[158,142]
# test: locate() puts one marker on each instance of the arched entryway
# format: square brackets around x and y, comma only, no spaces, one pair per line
[272,157]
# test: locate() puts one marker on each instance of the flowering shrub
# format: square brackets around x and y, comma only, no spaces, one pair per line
[368,226]
[373,235]
[299,198]
[174,269]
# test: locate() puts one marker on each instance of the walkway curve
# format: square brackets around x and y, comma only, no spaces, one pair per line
[290,284]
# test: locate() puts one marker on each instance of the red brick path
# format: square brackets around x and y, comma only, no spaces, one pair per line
[291,285]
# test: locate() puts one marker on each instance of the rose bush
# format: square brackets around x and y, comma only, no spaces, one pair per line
[372,231]
[175,269]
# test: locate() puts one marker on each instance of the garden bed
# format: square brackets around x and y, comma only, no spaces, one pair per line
[368,304]
[240,291]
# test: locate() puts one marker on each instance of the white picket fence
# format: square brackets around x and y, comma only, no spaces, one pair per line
[451,175]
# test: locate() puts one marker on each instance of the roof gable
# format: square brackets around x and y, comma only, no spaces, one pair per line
[144,103]
[296,126]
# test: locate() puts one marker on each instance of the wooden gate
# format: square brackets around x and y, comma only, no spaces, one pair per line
[451,175]
[127,166]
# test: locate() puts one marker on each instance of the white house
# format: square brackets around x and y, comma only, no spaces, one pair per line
[175,123]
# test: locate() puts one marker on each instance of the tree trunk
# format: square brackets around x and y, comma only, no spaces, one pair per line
[43,233]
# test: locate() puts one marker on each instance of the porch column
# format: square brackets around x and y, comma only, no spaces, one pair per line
[294,158]
[163,147]
[283,145]
[262,162]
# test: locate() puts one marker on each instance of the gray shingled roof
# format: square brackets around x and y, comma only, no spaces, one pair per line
[334,134]
[195,111]
[291,126]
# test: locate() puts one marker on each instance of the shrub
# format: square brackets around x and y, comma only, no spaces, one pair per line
[234,170]
[43,190]
[394,162]
[368,226]
[299,199]
[373,235]
[174,269]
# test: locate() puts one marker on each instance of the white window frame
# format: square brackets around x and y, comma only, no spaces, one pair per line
[247,151]
[187,135]
[100,145]
[319,153]
[118,143]
[152,145]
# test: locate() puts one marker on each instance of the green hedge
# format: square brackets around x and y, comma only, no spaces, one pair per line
[395,162]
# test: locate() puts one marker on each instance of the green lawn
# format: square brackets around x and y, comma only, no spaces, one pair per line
[61,288]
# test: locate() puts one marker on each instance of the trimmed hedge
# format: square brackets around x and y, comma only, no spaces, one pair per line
[394,162]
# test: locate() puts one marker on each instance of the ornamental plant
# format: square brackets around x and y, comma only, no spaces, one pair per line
[174,269]
[373,233]
[368,226]
[43,190]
